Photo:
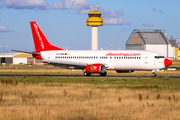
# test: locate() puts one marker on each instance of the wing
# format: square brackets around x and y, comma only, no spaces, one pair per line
[66,64]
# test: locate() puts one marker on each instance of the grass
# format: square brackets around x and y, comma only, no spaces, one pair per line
[175,64]
[89,98]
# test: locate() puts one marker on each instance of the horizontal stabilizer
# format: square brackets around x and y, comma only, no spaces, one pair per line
[26,52]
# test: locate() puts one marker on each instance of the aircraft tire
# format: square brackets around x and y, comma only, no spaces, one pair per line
[87,74]
[153,74]
[103,74]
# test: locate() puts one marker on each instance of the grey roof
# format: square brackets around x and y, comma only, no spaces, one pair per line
[153,38]
[140,36]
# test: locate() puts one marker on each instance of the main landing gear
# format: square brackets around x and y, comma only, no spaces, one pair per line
[153,74]
[89,74]
[103,74]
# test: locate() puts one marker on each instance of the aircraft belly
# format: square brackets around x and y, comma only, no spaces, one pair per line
[127,65]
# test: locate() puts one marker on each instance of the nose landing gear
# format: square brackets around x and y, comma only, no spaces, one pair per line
[154,72]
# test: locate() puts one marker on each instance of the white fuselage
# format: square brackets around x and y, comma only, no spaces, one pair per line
[112,59]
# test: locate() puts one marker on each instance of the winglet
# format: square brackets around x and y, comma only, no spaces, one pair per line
[40,41]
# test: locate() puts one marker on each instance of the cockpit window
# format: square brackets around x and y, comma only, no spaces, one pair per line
[157,57]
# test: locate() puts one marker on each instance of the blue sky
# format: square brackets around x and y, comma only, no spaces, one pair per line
[64,21]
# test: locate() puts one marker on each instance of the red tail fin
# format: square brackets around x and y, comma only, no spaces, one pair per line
[40,41]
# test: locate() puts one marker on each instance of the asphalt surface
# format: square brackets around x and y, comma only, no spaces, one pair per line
[93,76]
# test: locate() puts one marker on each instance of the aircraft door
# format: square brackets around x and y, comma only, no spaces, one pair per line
[146,59]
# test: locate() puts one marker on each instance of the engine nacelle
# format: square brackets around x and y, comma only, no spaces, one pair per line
[95,68]
[124,71]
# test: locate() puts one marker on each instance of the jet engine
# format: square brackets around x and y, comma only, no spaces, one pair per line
[95,68]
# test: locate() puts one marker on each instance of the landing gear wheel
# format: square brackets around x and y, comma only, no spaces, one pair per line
[87,74]
[103,74]
[153,74]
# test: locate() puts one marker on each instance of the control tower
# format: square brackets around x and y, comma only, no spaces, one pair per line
[94,21]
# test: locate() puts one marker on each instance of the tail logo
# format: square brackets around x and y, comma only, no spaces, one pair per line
[39,36]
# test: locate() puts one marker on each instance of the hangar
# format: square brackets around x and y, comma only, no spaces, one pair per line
[152,40]
[17,58]
[6,58]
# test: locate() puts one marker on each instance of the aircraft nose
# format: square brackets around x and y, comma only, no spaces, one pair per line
[167,62]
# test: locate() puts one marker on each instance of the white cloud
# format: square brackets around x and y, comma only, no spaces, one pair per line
[26,4]
[108,13]
[113,21]
[82,6]
[71,4]
[148,25]
[105,13]
[4,29]
[86,10]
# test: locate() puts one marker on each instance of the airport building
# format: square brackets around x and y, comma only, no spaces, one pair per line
[153,40]
[17,58]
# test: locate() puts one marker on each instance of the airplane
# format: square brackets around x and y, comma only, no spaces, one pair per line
[95,61]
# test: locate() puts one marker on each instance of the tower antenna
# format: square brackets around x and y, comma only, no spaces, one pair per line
[98,7]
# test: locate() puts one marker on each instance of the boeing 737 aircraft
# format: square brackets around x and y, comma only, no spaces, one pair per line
[95,61]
